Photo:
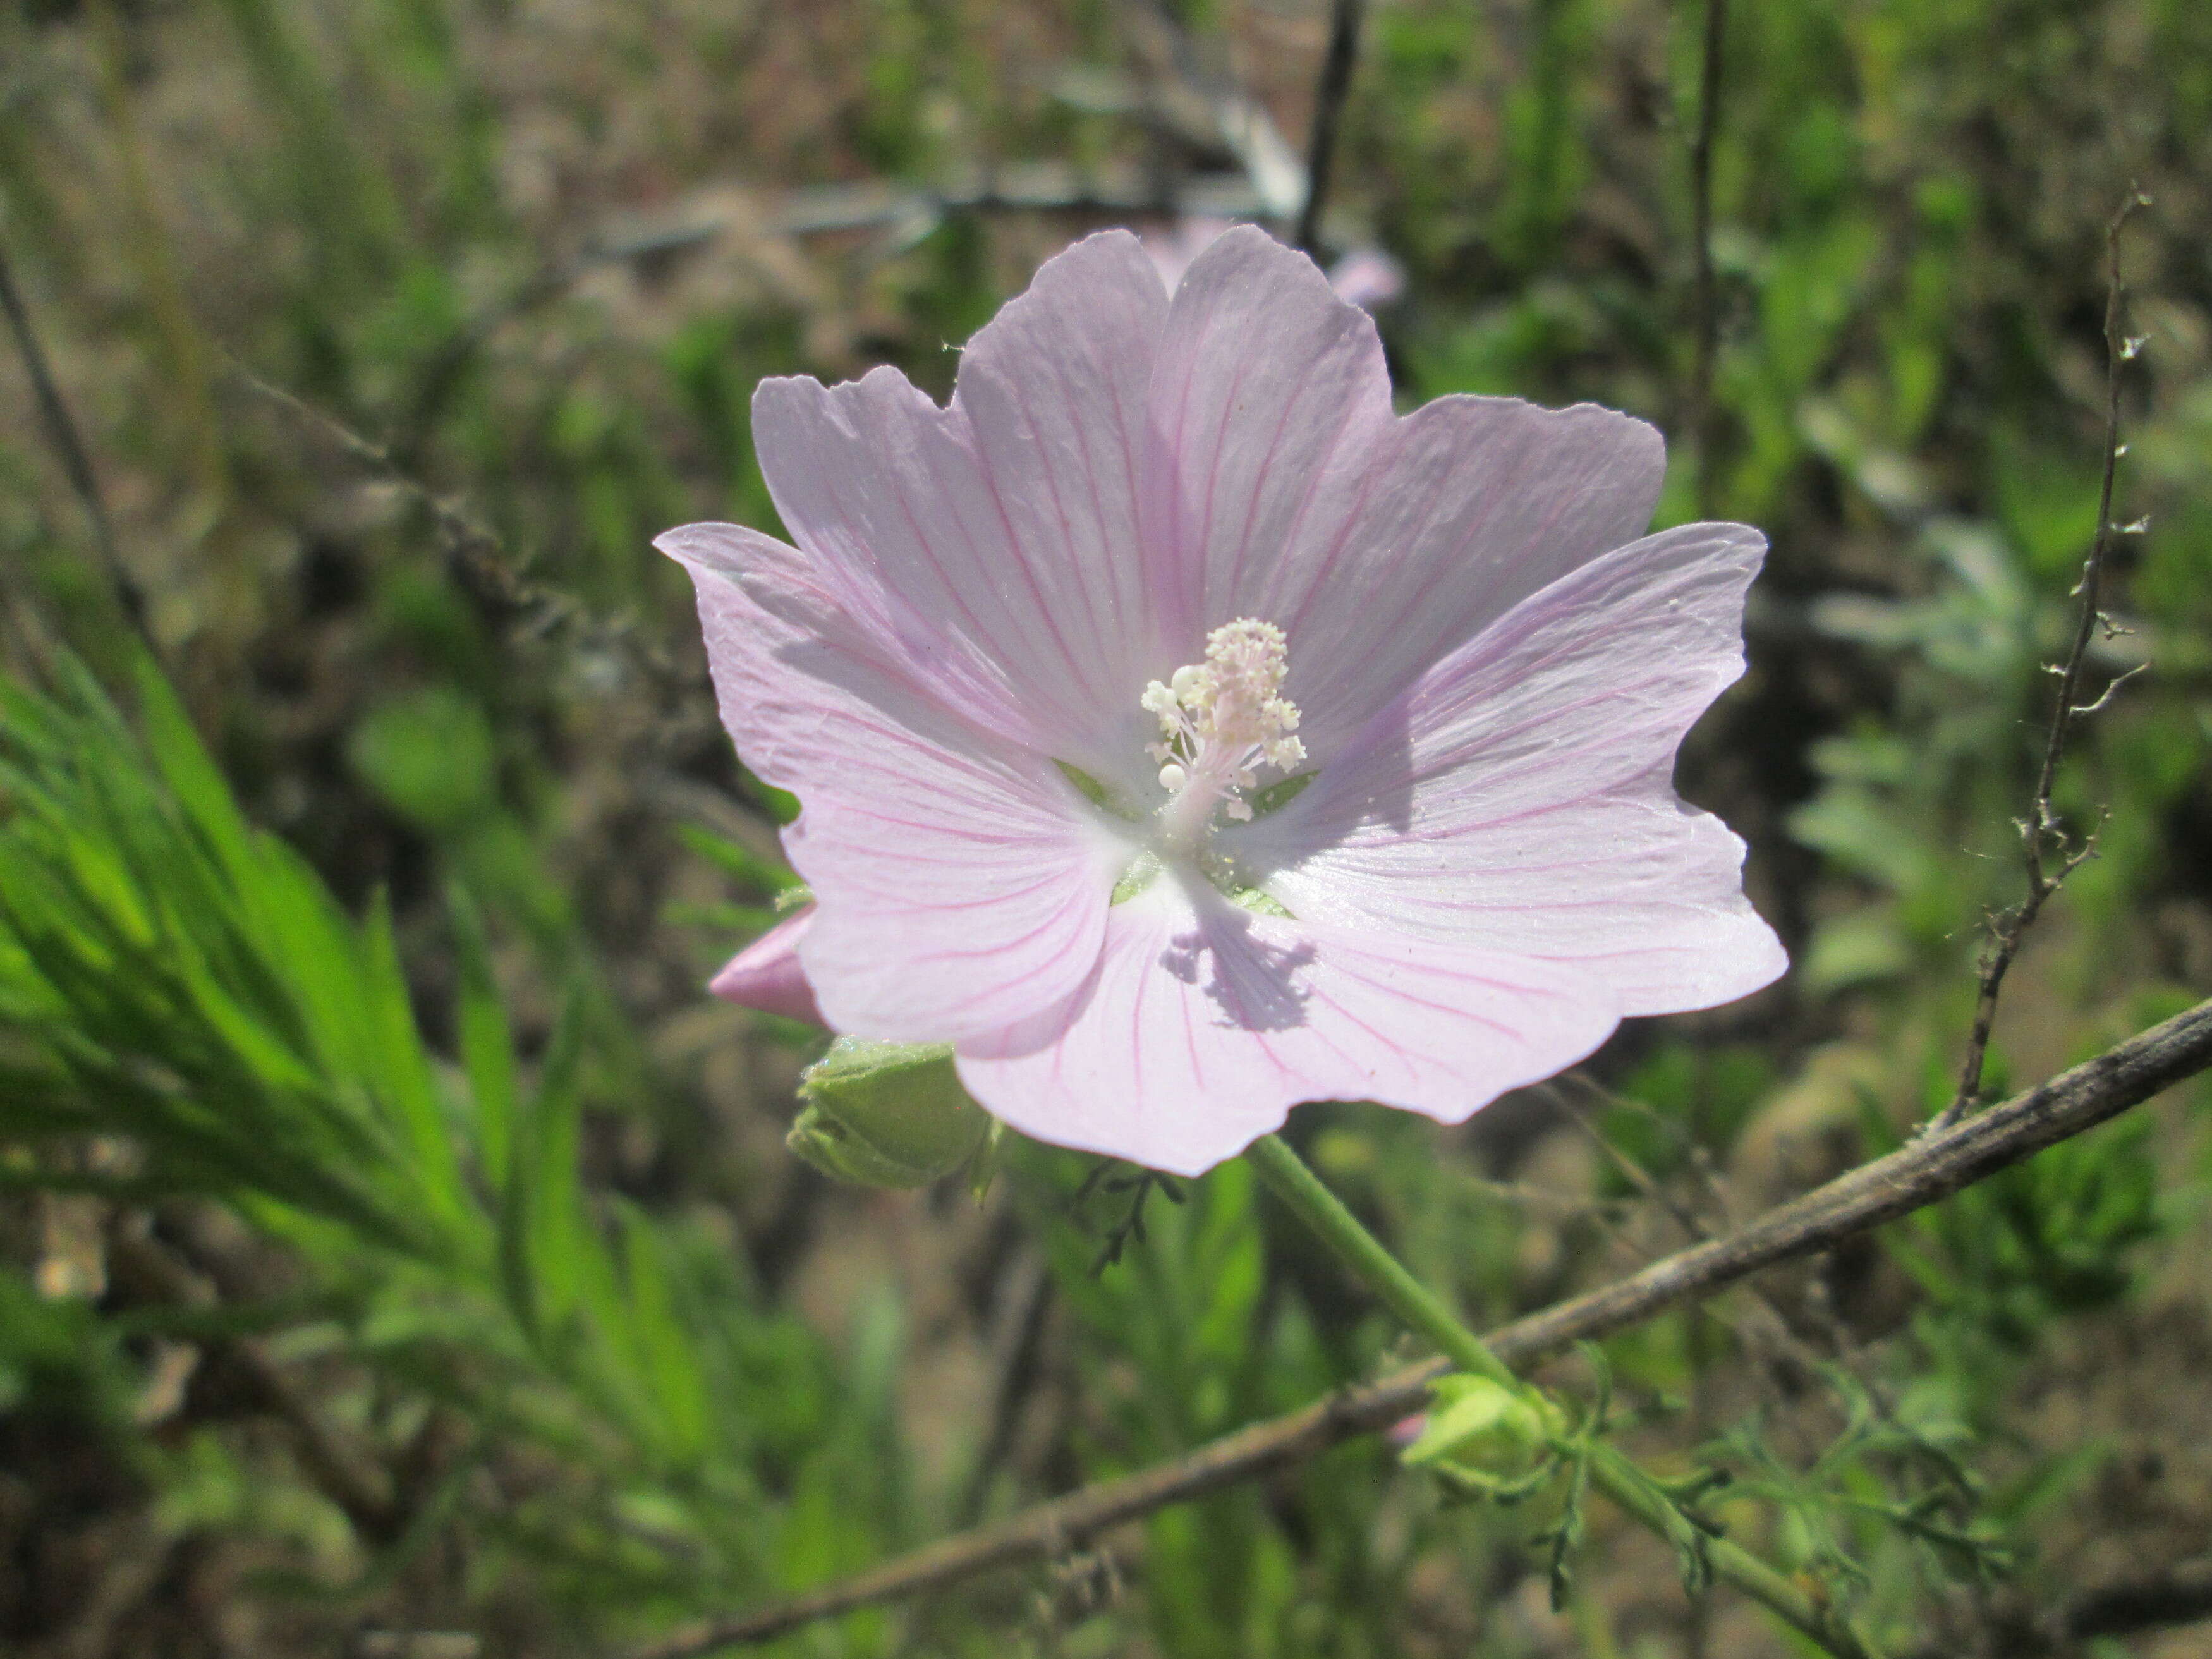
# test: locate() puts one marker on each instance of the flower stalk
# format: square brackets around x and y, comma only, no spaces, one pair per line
[1611,1473]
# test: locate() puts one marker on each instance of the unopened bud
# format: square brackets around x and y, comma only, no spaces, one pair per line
[886,1113]
[1481,1428]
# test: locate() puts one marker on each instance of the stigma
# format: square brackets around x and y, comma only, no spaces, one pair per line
[1220,721]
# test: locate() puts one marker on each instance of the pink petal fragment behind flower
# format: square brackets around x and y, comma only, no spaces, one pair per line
[1367,277]
[766,974]
[1041,654]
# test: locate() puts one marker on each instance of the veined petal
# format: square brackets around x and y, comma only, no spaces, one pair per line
[1054,390]
[991,545]
[1203,1023]
[1517,795]
[959,885]
[1472,505]
[766,974]
[1279,482]
[1269,399]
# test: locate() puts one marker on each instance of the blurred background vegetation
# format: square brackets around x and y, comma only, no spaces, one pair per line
[399,1251]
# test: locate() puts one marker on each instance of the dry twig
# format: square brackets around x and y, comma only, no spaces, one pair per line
[2043,837]
[1329,94]
[473,554]
[1918,1173]
[1704,301]
[69,449]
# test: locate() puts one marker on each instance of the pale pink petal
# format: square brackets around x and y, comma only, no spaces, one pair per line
[959,885]
[1281,487]
[1517,796]
[990,545]
[766,974]
[1270,397]
[1204,1023]
[1055,393]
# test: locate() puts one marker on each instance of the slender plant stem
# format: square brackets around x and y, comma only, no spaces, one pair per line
[1329,94]
[188,394]
[1287,1175]
[70,448]
[2044,838]
[1705,302]
[1297,1185]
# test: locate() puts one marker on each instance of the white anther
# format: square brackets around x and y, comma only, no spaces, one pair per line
[1221,721]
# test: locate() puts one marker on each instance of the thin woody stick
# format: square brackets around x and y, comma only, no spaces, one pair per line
[2041,833]
[1335,84]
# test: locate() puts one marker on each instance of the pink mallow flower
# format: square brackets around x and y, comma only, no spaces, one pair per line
[1183,735]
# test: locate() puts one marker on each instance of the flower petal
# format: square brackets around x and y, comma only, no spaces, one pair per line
[1517,797]
[1279,484]
[991,545]
[1204,1023]
[959,885]
[766,974]
[1472,505]
[1269,399]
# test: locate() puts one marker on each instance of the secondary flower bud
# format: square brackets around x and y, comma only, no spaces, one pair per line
[886,1113]
[1480,1428]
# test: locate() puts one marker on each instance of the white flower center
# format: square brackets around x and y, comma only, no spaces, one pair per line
[1220,721]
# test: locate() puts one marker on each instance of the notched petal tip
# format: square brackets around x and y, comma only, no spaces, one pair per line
[1249,247]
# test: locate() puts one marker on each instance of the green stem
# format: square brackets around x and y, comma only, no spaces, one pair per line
[1425,1311]
[1414,1301]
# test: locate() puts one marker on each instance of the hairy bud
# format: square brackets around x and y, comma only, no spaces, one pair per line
[1480,1429]
[886,1113]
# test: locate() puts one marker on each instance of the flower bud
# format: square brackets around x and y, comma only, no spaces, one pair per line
[1480,1428]
[886,1113]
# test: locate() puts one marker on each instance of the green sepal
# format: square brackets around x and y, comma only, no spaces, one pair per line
[1097,793]
[1261,901]
[984,1170]
[886,1113]
[1144,869]
[1273,797]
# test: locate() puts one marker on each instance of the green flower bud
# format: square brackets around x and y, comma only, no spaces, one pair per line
[1482,1429]
[886,1113]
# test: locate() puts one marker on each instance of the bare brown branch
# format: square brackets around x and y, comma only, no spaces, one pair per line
[1704,302]
[69,447]
[1925,1170]
[1329,94]
[2050,853]
[473,554]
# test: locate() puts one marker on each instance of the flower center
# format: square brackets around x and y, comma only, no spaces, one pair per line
[1220,721]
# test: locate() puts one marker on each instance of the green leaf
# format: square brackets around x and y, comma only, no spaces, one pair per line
[487,1044]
